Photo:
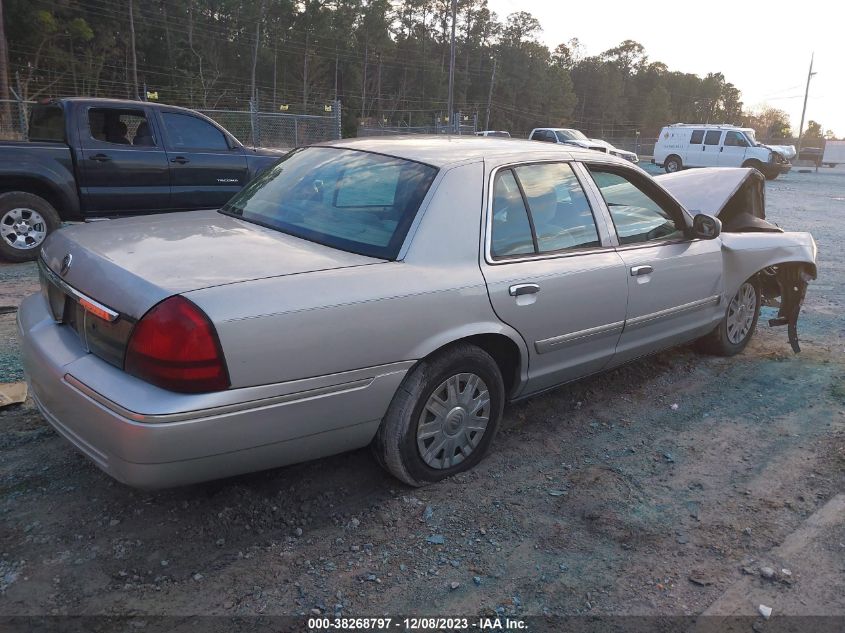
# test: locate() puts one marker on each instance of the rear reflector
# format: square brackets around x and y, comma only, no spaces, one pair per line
[174,346]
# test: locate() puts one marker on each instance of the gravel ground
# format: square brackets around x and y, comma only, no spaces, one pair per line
[602,497]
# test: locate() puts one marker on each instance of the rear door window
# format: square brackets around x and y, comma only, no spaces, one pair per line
[120,126]
[511,231]
[712,137]
[559,209]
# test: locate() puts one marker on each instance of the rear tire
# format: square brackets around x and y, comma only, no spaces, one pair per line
[737,327]
[443,417]
[673,163]
[25,222]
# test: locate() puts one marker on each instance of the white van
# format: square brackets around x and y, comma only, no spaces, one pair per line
[684,145]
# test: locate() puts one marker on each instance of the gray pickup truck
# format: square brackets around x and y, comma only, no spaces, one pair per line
[90,158]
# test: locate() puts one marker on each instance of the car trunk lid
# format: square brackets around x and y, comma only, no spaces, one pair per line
[129,265]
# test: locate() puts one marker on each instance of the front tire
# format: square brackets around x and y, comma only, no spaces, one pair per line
[443,417]
[673,164]
[737,327]
[25,222]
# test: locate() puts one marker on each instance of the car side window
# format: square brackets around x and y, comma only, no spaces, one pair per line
[712,137]
[697,137]
[120,126]
[636,215]
[560,213]
[538,135]
[734,139]
[511,231]
[189,132]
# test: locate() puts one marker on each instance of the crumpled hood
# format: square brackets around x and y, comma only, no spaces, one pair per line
[787,151]
[131,264]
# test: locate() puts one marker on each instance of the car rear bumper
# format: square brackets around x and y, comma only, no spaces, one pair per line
[117,420]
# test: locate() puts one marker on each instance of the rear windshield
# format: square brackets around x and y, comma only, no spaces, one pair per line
[47,123]
[347,199]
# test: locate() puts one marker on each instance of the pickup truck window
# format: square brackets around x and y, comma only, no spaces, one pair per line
[317,194]
[47,123]
[189,132]
[120,126]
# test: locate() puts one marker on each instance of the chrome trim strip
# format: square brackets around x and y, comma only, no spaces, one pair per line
[73,292]
[670,312]
[551,344]
[221,410]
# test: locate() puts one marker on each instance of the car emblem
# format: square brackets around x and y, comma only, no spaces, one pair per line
[66,262]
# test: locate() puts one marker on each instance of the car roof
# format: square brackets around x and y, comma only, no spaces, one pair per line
[444,150]
[128,103]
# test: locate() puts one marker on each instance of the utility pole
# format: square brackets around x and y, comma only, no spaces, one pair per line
[490,95]
[378,88]
[132,43]
[804,110]
[364,81]
[335,74]
[253,95]
[305,76]
[275,54]
[450,102]
[6,111]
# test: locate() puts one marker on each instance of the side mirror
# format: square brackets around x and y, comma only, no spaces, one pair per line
[706,227]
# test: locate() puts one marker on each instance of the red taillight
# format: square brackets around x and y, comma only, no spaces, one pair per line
[175,346]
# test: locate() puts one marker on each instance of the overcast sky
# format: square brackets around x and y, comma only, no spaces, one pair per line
[763,47]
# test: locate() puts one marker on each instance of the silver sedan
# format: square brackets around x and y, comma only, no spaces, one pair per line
[388,292]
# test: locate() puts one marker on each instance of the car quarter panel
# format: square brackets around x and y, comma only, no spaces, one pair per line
[279,329]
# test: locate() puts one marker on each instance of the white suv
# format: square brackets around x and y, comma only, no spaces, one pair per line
[683,145]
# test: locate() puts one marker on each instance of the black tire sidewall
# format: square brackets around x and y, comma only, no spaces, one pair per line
[13,199]
[477,362]
[676,161]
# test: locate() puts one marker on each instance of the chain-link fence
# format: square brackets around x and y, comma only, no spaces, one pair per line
[439,125]
[13,119]
[271,129]
[254,129]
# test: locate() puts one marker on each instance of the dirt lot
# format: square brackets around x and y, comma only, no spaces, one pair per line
[602,497]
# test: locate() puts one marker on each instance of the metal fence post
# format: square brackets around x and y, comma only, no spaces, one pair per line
[338,128]
[296,132]
[253,123]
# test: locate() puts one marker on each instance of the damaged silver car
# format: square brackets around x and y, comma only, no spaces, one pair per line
[392,292]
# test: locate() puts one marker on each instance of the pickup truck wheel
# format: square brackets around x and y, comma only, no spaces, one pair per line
[25,222]
[672,164]
[443,417]
[737,326]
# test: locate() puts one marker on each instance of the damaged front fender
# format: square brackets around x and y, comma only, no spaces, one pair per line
[784,264]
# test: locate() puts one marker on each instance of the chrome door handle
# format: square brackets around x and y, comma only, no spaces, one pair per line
[523,289]
[636,271]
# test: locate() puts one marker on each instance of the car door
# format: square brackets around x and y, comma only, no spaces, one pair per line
[710,149]
[674,282]
[552,272]
[693,152]
[206,167]
[123,166]
[732,152]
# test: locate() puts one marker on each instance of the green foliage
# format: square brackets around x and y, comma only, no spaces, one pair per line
[384,59]
[813,131]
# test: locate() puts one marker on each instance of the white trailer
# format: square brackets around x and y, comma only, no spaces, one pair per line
[834,153]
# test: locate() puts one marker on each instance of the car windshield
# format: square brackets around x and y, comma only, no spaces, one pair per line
[347,199]
[571,135]
[750,135]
